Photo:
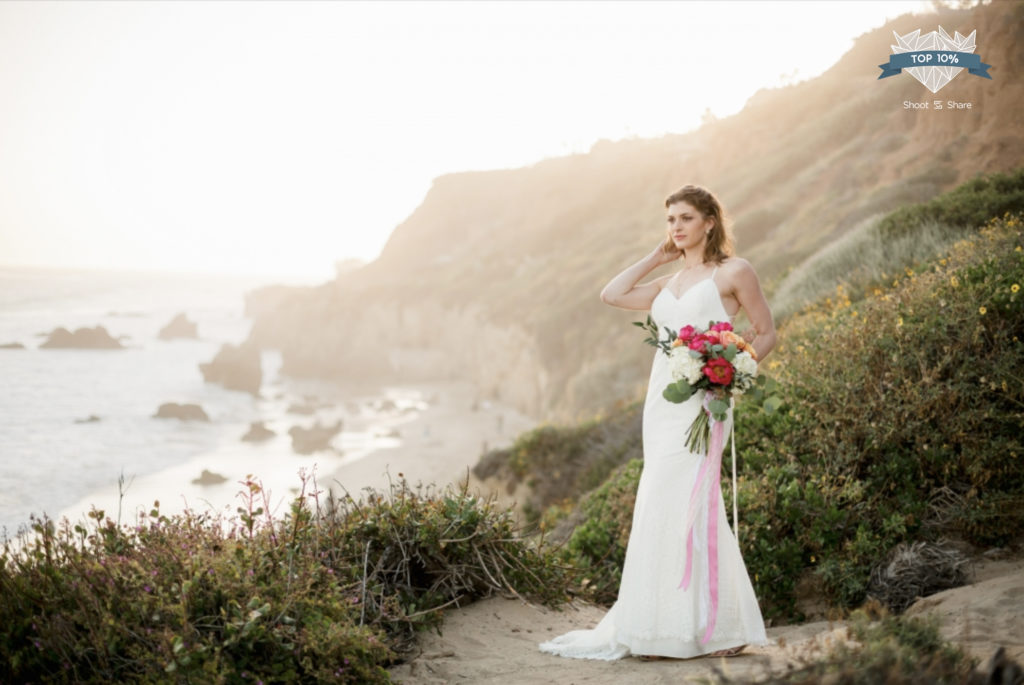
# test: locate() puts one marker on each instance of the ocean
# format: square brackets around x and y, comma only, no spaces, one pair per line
[52,461]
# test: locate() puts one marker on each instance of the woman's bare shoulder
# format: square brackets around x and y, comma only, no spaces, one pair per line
[735,264]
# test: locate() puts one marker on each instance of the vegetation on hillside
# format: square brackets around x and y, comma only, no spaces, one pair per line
[884,244]
[332,592]
[902,422]
[556,462]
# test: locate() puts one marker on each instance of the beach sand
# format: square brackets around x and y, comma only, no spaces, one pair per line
[438,446]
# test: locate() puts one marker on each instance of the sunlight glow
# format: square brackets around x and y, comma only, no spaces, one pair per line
[279,137]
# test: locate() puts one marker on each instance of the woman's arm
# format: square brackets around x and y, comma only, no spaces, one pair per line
[622,291]
[752,300]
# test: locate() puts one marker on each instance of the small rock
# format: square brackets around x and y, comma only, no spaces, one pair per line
[185,412]
[179,327]
[83,338]
[235,367]
[258,432]
[12,346]
[92,419]
[386,404]
[209,478]
[315,439]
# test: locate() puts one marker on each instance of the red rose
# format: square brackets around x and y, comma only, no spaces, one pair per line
[685,333]
[722,326]
[718,371]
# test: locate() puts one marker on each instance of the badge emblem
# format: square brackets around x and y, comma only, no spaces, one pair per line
[934,58]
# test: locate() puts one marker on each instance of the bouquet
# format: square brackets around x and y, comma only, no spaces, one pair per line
[716,361]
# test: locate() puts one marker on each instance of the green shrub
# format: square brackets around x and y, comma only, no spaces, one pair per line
[888,649]
[332,592]
[969,205]
[560,463]
[597,547]
[884,244]
[890,400]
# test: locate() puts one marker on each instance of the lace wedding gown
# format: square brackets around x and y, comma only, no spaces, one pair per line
[653,614]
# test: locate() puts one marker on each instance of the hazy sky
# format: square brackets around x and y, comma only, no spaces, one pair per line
[278,137]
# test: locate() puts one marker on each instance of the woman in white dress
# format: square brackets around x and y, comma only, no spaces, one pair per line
[714,612]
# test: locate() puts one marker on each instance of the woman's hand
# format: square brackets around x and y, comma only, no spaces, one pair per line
[667,252]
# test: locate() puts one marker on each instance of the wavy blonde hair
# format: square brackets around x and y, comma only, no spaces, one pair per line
[720,241]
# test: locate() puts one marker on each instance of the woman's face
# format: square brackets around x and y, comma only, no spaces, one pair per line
[686,226]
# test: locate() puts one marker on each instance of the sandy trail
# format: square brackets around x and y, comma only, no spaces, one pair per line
[495,640]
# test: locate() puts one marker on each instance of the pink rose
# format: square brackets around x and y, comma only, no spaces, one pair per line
[698,341]
[686,332]
[722,326]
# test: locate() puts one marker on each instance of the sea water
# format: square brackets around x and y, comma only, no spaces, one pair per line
[54,461]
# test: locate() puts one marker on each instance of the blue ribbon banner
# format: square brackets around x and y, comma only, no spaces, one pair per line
[935,58]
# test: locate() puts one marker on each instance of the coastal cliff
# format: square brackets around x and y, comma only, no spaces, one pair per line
[495,277]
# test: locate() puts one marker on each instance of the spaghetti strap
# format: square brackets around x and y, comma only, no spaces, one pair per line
[713,271]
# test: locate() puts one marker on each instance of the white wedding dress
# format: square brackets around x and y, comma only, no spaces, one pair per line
[653,614]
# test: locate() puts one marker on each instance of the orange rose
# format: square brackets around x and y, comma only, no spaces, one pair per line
[728,338]
[741,343]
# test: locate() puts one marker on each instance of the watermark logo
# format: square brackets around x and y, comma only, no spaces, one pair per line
[934,59]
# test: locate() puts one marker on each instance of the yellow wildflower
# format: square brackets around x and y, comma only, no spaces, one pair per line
[954,281]
[1014,288]
[981,309]
[899,321]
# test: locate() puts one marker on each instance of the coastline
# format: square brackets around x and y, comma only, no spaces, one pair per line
[434,436]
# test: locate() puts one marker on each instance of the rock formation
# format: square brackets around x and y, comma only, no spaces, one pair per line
[235,367]
[185,412]
[179,327]
[315,439]
[209,478]
[258,432]
[85,338]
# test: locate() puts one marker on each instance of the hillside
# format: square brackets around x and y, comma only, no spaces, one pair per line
[494,278]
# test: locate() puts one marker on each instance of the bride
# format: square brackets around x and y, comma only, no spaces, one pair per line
[715,611]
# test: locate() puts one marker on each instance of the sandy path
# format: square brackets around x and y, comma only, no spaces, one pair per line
[987,613]
[495,640]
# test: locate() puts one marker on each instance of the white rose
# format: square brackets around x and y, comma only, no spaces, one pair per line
[745,364]
[683,366]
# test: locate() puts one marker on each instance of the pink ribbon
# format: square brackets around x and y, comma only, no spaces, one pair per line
[709,477]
